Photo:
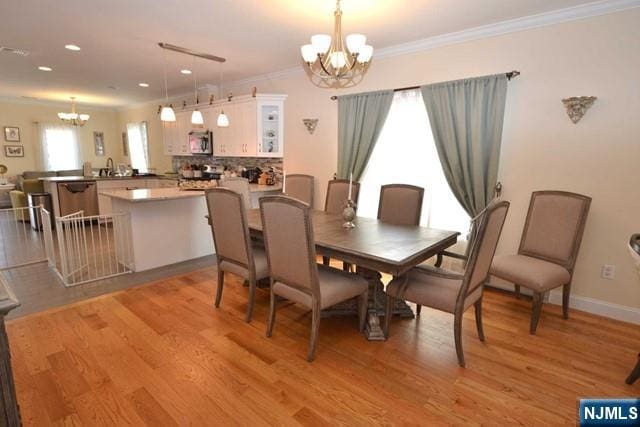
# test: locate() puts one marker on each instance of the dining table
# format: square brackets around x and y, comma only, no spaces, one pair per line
[374,247]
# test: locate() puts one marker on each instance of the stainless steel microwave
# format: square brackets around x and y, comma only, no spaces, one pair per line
[201,142]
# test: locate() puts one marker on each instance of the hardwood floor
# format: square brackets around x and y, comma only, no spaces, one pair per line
[162,355]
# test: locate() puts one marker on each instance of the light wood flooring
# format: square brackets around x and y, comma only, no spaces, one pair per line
[162,355]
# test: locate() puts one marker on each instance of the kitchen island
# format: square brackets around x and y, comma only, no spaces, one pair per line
[168,225]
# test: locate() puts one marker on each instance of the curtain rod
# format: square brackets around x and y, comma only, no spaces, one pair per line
[510,75]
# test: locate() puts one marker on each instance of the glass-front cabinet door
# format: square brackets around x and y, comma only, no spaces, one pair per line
[270,127]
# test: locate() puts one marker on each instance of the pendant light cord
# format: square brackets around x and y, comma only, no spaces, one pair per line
[166,90]
[195,81]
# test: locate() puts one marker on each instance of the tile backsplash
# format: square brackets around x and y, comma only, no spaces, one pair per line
[230,163]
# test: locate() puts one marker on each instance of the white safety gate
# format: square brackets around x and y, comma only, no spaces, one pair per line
[20,243]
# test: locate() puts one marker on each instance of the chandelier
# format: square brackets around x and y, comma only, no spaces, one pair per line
[73,118]
[330,64]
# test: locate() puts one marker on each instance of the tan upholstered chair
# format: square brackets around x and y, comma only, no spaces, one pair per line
[337,195]
[240,186]
[548,248]
[288,237]
[234,252]
[453,292]
[400,204]
[300,187]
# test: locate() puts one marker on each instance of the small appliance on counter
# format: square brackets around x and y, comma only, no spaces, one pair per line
[252,174]
[201,142]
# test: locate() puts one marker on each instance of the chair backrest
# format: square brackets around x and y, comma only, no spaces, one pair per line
[400,204]
[300,187]
[554,227]
[337,194]
[289,241]
[229,226]
[483,250]
[240,186]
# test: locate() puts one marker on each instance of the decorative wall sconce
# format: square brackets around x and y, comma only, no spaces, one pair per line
[577,106]
[310,124]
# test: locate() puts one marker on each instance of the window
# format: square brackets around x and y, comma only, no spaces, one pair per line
[59,147]
[138,146]
[406,154]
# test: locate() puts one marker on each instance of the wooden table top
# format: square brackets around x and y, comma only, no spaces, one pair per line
[372,244]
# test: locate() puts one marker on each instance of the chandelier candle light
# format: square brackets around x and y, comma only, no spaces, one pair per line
[331,63]
[73,118]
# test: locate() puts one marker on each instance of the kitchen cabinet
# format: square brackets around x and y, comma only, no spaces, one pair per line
[175,135]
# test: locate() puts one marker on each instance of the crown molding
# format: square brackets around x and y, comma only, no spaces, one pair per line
[53,103]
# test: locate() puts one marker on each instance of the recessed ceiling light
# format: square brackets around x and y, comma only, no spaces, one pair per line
[143,84]
[185,71]
[43,68]
[72,47]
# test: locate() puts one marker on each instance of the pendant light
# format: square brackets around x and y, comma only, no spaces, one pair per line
[167,114]
[223,120]
[196,116]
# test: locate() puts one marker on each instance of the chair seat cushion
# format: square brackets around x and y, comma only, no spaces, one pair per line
[259,260]
[532,273]
[431,287]
[335,286]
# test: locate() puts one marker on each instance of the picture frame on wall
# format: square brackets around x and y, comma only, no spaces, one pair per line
[12,134]
[98,143]
[125,144]
[13,151]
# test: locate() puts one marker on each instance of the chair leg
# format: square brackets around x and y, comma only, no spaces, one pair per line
[252,299]
[346,267]
[325,260]
[535,315]
[362,310]
[479,327]
[220,286]
[387,315]
[418,309]
[635,373]
[315,329]
[566,295]
[517,291]
[272,314]
[457,333]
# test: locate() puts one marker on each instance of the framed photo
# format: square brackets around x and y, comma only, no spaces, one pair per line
[14,151]
[12,134]
[125,144]
[98,143]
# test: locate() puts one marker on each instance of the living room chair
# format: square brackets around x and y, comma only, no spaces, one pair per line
[548,248]
[300,187]
[293,271]
[453,292]
[234,252]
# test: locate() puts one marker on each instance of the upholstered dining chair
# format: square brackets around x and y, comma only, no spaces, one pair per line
[548,248]
[400,204]
[300,187]
[239,185]
[234,252]
[453,292]
[337,195]
[294,273]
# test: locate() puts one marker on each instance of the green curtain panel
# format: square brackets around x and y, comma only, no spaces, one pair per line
[466,118]
[360,120]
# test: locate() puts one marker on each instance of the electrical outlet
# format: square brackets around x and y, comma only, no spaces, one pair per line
[608,271]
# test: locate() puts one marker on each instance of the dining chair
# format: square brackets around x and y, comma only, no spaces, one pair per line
[234,251]
[453,292]
[400,204]
[239,185]
[337,195]
[300,187]
[548,248]
[294,273]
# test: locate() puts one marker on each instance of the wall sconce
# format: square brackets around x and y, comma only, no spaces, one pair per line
[310,124]
[577,106]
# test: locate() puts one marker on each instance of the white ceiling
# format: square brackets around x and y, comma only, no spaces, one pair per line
[119,38]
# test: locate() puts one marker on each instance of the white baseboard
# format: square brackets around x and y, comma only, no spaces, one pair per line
[601,308]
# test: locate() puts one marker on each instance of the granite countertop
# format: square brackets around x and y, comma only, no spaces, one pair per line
[102,178]
[156,194]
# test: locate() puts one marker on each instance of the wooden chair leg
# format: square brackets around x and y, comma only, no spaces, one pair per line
[566,295]
[517,291]
[362,310]
[220,286]
[315,329]
[479,327]
[635,373]
[387,315]
[535,315]
[272,314]
[252,299]
[326,260]
[457,333]
[418,309]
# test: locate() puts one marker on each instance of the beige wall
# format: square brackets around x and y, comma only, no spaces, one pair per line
[542,148]
[25,114]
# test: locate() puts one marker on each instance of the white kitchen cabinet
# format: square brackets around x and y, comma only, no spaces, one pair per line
[169,137]
[270,129]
